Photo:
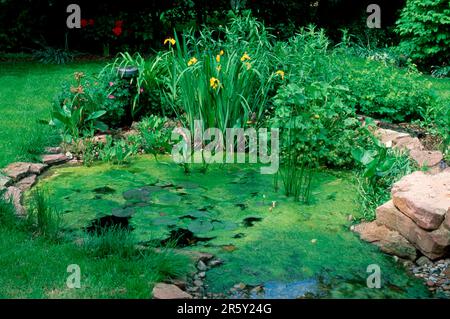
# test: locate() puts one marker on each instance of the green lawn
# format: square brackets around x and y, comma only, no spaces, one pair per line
[26,92]
[34,267]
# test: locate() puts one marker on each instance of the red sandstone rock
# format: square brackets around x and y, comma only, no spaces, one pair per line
[52,159]
[433,244]
[426,158]
[424,198]
[389,241]
[169,291]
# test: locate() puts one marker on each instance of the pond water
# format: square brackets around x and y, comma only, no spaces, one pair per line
[265,239]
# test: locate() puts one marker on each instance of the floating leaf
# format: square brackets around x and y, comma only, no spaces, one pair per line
[200,226]
[123,212]
[164,220]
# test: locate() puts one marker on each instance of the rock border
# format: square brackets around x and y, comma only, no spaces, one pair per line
[19,177]
[390,232]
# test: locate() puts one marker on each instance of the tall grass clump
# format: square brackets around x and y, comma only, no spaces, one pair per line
[221,77]
[43,217]
[8,218]
[110,241]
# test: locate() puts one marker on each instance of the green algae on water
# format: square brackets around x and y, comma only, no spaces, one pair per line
[232,211]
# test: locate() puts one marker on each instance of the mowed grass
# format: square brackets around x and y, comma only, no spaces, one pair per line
[37,268]
[26,92]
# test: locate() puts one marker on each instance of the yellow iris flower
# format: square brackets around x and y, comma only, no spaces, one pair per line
[169,40]
[280,73]
[214,83]
[245,57]
[192,61]
[218,58]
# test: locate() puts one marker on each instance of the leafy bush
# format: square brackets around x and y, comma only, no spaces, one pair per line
[50,55]
[78,107]
[387,92]
[142,92]
[117,151]
[380,168]
[424,27]
[155,135]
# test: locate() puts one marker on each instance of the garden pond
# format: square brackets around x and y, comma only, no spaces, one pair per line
[293,250]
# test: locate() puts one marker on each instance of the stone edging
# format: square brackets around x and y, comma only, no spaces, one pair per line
[19,177]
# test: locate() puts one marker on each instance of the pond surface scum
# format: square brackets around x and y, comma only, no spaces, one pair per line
[264,238]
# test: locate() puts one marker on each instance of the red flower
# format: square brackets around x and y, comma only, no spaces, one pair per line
[91,21]
[119,23]
[117,31]
[83,23]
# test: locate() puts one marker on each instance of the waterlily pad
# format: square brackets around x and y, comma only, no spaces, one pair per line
[188,185]
[104,190]
[164,220]
[224,225]
[200,226]
[196,214]
[123,212]
[138,194]
[167,198]
[164,184]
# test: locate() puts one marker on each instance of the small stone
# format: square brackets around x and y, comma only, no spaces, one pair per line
[14,194]
[26,183]
[313,241]
[201,266]
[169,291]
[430,283]
[257,289]
[53,150]
[240,286]
[202,274]
[179,283]
[215,263]
[423,261]
[17,171]
[37,168]
[99,139]
[5,181]
[198,283]
[53,159]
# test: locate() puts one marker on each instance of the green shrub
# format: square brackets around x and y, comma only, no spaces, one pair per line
[50,55]
[380,168]
[424,27]
[386,92]
[155,135]
[78,107]
[117,151]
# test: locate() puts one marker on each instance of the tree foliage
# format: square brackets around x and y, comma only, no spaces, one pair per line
[424,26]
